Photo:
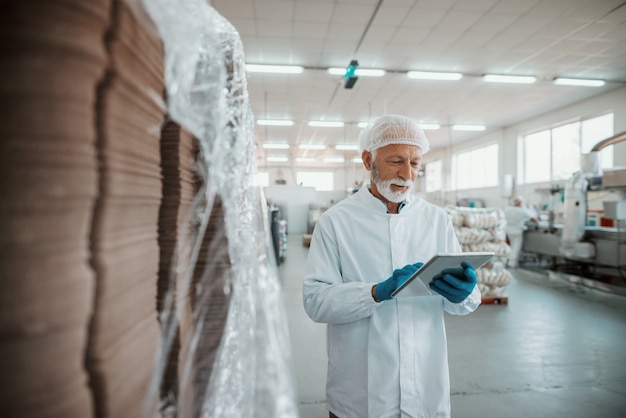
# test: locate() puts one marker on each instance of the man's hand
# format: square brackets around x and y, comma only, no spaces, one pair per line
[455,284]
[383,290]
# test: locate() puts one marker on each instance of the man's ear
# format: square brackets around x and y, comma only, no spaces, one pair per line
[366,156]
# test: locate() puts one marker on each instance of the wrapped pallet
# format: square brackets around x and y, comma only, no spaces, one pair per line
[234,354]
[88,273]
[482,229]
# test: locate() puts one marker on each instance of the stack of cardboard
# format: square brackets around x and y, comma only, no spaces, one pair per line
[204,316]
[124,334]
[180,184]
[205,297]
[52,58]
[81,187]
[204,290]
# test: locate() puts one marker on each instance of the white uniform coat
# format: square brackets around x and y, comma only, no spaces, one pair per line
[516,217]
[385,359]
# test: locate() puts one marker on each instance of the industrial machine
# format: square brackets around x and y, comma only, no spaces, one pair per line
[592,250]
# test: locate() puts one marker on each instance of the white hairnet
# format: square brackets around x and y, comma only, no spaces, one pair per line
[392,129]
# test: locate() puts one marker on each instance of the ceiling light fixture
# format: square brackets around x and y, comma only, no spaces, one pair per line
[277,159]
[323,124]
[430,75]
[515,79]
[276,146]
[578,82]
[334,160]
[359,72]
[268,122]
[468,127]
[346,147]
[357,160]
[305,159]
[429,126]
[363,124]
[276,69]
[312,146]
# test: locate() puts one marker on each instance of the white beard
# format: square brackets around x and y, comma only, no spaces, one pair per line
[384,187]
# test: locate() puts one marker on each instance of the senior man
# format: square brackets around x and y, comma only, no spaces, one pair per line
[387,356]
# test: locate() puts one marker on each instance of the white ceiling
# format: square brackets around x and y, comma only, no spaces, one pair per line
[543,38]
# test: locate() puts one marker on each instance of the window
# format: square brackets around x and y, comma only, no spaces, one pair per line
[565,151]
[537,148]
[322,181]
[433,176]
[595,130]
[555,154]
[476,168]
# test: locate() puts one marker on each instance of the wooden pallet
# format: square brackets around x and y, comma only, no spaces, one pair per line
[306,240]
[496,300]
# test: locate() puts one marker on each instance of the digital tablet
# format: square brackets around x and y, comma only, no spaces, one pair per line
[444,261]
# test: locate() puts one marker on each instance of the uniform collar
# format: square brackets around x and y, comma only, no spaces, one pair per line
[376,203]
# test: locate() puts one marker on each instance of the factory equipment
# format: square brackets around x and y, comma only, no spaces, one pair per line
[591,249]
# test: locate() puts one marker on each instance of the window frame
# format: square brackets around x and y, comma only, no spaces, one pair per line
[522,162]
[438,174]
[465,157]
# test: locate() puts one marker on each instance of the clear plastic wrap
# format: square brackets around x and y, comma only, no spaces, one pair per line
[207,95]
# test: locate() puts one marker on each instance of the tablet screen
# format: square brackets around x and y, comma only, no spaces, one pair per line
[444,261]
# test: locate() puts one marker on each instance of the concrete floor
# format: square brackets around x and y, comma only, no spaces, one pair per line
[555,350]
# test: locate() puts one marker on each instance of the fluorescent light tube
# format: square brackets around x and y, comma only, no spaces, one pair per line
[346,147]
[468,127]
[357,160]
[305,159]
[323,124]
[277,159]
[430,75]
[276,146]
[578,82]
[333,160]
[336,71]
[516,79]
[371,72]
[429,126]
[363,124]
[359,72]
[312,146]
[277,69]
[274,122]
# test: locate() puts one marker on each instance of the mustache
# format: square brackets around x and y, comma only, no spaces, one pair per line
[384,188]
[375,176]
[395,182]
[400,182]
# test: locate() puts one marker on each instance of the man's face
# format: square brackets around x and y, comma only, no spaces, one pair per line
[394,170]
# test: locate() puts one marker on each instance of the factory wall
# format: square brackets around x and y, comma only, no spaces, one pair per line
[345,174]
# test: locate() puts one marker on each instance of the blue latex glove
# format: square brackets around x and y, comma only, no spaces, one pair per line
[418,265]
[455,284]
[385,289]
